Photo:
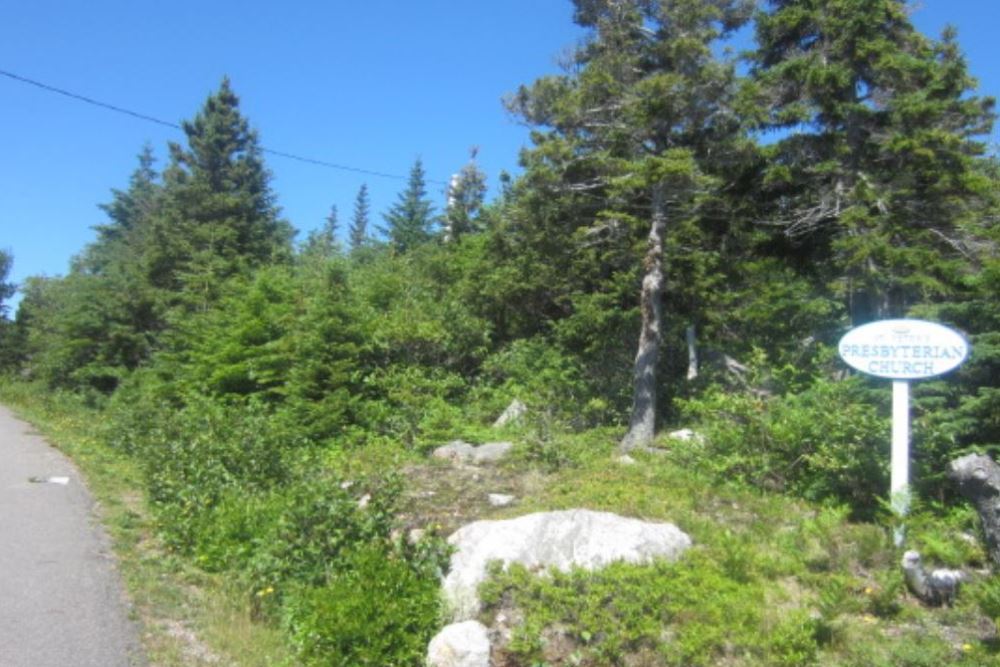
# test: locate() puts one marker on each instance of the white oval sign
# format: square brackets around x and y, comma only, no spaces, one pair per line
[903,349]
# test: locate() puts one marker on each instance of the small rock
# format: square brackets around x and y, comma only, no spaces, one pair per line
[500,499]
[364,500]
[460,645]
[514,413]
[686,435]
[415,535]
[625,459]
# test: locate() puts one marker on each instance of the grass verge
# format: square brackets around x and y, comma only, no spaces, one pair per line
[187,618]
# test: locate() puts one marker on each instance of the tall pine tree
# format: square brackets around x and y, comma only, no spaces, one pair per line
[359,219]
[636,130]
[410,221]
[219,217]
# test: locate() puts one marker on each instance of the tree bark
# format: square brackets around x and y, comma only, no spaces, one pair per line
[642,425]
[978,479]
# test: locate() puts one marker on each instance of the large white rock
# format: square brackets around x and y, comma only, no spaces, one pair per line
[561,540]
[460,645]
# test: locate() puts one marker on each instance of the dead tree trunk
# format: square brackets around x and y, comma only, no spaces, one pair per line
[978,479]
[642,426]
[692,342]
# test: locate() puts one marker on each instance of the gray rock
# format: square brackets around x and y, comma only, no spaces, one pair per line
[561,540]
[512,414]
[460,645]
[458,451]
[626,460]
[500,499]
[491,452]
[978,479]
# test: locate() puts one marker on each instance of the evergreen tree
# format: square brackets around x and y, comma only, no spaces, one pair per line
[7,289]
[637,129]
[466,194]
[9,353]
[323,242]
[359,221]
[877,166]
[410,220]
[219,218]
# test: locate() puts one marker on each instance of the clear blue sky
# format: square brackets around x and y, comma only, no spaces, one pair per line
[372,85]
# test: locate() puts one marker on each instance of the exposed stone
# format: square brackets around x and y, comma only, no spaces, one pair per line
[500,499]
[978,479]
[458,451]
[686,435]
[514,413]
[491,452]
[460,645]
[561,540]
[626,460]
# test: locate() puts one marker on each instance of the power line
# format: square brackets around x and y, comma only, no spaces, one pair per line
[166,123]
[88,100]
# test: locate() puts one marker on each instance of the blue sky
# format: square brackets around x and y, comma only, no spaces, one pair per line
[372,85]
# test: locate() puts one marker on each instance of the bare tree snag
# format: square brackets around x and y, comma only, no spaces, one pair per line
[692,343]
[978,479]
[642,426]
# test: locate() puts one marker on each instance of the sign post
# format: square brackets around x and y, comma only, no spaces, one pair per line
[902,350]
[899,480]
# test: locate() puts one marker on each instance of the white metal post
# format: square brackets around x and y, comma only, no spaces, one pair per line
[900,477]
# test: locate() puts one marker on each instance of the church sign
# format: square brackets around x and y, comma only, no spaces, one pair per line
[902,351]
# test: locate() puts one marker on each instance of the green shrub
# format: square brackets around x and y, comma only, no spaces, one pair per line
[824,443]
[690,613]
[375,611]
[314,526]
[193,456]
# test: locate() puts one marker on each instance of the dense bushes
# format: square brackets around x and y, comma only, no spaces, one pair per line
[826,442]
[242,492]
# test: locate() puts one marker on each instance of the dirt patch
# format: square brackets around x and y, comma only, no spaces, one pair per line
[446,496]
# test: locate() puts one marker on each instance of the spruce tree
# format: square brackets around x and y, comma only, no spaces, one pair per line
[359,220]
[875,170]
[220,217]
[9,354]
[6,289]
[410,221]
[637,129]
[323,242]
[466,194]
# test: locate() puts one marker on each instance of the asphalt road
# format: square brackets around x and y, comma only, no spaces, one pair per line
[61,599]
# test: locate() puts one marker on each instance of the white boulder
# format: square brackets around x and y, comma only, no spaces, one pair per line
[460,645]
[561,540]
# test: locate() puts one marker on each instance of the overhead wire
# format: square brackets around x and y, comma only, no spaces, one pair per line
[176,126]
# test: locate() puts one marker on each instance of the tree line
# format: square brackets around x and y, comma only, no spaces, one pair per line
[681,212]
